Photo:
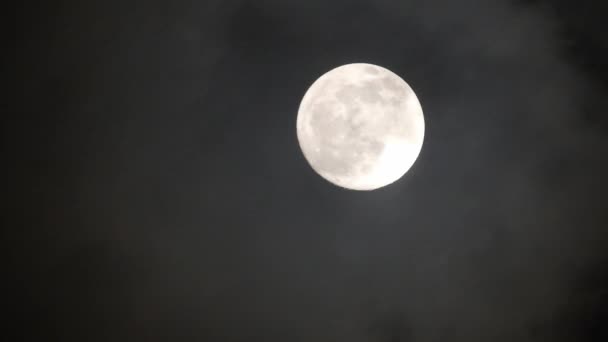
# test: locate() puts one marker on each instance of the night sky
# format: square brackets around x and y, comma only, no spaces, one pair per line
[155,189]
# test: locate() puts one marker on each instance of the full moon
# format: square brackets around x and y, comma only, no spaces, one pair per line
[360,126]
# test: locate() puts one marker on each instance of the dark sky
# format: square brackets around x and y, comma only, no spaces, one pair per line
[156,191]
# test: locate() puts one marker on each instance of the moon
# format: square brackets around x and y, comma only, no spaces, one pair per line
[360,126]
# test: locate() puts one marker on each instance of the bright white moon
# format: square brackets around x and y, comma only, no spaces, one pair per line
[360,126]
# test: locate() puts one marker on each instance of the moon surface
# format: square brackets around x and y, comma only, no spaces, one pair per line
[360,126]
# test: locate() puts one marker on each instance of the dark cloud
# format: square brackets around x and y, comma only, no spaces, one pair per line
[158,192]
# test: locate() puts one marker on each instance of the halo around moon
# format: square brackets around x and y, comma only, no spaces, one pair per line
[360,126]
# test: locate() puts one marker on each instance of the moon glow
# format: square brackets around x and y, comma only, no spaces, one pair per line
[360,126]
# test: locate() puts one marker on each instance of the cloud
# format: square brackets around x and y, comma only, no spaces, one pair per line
[504,199]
